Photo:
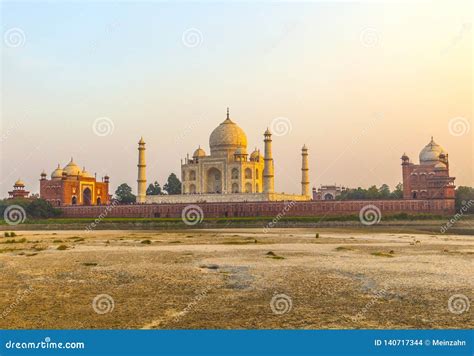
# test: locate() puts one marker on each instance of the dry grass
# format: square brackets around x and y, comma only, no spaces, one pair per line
[152,283]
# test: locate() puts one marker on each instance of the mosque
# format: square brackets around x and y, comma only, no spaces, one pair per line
[72,185]
[228,173]
[430,178]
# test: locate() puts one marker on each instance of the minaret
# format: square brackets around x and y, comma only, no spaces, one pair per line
[141,197]
[304,172]
[268,172]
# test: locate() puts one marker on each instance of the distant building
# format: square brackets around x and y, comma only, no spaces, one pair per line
[18,190]
[430,179]
[72,186]
[327,192]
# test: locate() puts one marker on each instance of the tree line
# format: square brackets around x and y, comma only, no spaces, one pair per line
[172,186]
[372,193]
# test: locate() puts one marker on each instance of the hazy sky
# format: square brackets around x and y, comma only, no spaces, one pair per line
[358,83]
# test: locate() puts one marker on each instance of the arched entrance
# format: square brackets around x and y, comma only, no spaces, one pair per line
[99,201]
[214,181]
[328,196]
[87,196]
[74,200]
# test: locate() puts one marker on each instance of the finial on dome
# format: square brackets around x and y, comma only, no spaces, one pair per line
[228,113]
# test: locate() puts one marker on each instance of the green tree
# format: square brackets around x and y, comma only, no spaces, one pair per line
[384,192]
[173,185]
[465,197]
[40,208]
[398,192]
[154,189]
[124,194]
[34,208]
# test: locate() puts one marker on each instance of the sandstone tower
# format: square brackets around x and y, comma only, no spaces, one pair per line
[268,172]
[304,172]
[141,196]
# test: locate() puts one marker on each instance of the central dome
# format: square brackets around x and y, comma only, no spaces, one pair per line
[431,152]
[228,136]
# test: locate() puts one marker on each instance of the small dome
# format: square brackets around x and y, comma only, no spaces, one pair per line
[431,152]
[57,173]
[72,169]
[86,174]
[19,183]
[255,155]
[227,136]
[199,153]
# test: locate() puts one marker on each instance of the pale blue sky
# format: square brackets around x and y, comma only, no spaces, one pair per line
[360,83]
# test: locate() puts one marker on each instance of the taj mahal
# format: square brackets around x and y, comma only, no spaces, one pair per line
[228,173]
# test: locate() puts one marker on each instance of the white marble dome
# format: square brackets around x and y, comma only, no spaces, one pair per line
[430,153]
[227,136]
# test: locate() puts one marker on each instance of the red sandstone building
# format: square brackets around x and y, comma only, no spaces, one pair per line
[430,179]
[73,186]
[18,191]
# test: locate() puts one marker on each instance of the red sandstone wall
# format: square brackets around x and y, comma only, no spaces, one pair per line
[311,208]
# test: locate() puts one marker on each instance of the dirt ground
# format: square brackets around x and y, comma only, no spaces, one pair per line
[235,279]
